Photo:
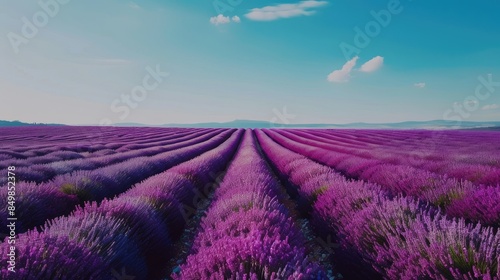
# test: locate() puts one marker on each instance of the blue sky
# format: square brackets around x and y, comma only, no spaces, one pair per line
[282,61]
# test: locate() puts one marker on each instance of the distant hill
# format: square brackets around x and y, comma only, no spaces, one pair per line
[18,123]
[434,124]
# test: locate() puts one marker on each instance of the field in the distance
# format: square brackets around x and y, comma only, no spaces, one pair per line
[173,203]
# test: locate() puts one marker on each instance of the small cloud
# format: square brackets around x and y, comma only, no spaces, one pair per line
[343,75]
[490,107]
[236,19]
[103,61]
[372,65]
[220,19]
[268,13]
[134,5]
[471,102]
[419,85]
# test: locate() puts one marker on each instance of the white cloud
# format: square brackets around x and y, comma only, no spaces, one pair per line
[220,19]
[236,19]
[268,13]
[490,107]
[372,65]
[419,85]
[343,75]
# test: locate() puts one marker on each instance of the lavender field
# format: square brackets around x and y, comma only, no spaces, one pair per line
[178,203]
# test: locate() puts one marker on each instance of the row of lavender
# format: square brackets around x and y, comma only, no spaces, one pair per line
[458,198]
[399,237]
[31,141]
[455,143]
[131,234]
[46,159]
[60,154]
[247,232]
[48,150]
[464,155]
[39,173]
[38,203]
[62,151]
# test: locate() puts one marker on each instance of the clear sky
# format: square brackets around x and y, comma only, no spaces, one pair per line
[86,62]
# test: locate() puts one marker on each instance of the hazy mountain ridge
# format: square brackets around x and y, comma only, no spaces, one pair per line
[434,124]
[19,123]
